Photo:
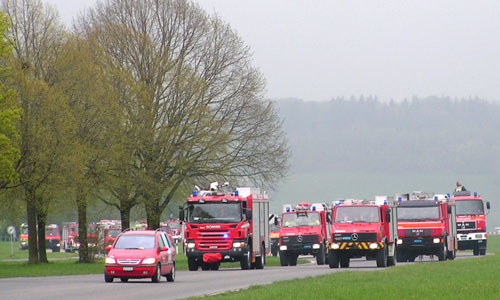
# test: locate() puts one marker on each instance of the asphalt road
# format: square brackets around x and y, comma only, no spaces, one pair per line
[186,284]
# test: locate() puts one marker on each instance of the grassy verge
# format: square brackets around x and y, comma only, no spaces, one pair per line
[70,266]
[475,278]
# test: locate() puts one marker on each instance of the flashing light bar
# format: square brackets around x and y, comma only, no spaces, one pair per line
[236,193]
[400,199]
[475,194]
[195,193]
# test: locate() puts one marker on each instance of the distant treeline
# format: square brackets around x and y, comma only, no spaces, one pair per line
[365,134]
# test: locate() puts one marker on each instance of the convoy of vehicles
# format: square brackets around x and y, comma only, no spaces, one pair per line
[141,254]
[226,226]
[362,228]
[304,231]
[471,222]
[426,226]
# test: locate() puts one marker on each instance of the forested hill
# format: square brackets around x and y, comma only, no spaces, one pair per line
[421,135]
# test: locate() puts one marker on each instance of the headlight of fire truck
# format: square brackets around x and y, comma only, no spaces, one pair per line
[316,246]
[373,246]
[335,246]
[436,240]
[400,242]
[283,247]
[149,261]
[190,245]
[238,244]
[110,261]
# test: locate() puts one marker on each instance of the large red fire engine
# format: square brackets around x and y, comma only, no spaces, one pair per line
[69,236]
[363,228]
[53,237]
[226,227]
[23,237]
[471,222]
[304,231]
[426,226]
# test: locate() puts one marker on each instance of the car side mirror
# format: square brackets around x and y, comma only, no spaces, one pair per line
[108,248]
[387,215]
[488,205]
[162,249]
[248,214]
[181,213]
[449,209]
[329,217]
[276,221]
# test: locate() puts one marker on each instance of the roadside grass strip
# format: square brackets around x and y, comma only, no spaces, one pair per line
[472,278]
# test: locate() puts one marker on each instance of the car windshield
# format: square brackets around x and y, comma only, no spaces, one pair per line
[469,207]
[214,213]
[24,230]
[416,213]
[357,214]
[135,241]
[298,219]
[51,231]
[92,229]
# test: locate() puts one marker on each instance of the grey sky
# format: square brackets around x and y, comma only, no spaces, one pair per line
[316,50]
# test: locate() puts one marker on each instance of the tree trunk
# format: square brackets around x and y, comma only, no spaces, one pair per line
[42,246]
[153,213]
[81,203]
[32,232]
[125,216]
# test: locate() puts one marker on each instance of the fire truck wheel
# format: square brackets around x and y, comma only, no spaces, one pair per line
[214,266]
[56,249]
[320,256]
[205,266]
[482,251]
[292,259]
[274,251]
[442,253]
[124,279]
[192,264]
[157,276]
[452,255]
[344,261]
[382,258]
[260,261]
[108,278]
[475,252]
[171,276]
[246,260]
[283,259]
[333,259]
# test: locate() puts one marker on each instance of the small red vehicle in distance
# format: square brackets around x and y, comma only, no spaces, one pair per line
[141,254]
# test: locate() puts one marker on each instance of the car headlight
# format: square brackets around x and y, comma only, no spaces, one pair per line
[149,261]
[436,240]
[400,242]
[238,244]
[316,246]
[190,245]
[373,246]
[283,248]
[110,261]
[335,246]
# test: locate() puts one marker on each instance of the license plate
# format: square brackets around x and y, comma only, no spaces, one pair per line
[307,246]
[417,241]
[213,247]
[128,268]
[463,238]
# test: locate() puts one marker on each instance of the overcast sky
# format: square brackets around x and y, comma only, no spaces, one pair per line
[317,50]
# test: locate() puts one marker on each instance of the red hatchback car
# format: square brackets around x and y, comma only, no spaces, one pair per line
[141,254]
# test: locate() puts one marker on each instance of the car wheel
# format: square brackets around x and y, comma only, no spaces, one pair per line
[157,275]
[214,266]
[442,253]
[261,260]
[482,251]
[171,275]
[381,258]
[283,259]
[246,260]
[320,256]
[475,251]
[124,279]
[108,278]
[192,264]
[333,259]
[344,261]
[292,258]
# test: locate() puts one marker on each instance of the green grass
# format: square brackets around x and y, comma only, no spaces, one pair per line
[70,266]
[475,278]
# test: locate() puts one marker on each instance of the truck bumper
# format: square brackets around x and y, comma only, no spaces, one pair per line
[357,249]
[421,245]
[234,254]
[302,249]
[475,240]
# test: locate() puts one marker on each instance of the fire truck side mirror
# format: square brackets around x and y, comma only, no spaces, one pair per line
[276,221]
[181,213]
[488,205]
[449,209]
[248,214]
[329,217]
[388,215]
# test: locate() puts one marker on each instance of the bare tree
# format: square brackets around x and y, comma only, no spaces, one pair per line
[194,105]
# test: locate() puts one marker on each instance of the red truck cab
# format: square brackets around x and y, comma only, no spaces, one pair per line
[426,226]
[471,222]
[363,228]
[226,227]
[53,237]
[304,231]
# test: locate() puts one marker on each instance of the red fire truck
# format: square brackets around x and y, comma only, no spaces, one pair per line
[69,236]
[471,222]
[53,237]
[226,227]
[363,228]
[304,231]
[426,226]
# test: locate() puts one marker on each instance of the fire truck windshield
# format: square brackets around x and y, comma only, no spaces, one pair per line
[418,213]
[357,214]
[134,241]
[469,207]
[173,225]
[299,219]
[214,212]
[114,232]
[51,231]
[24,230]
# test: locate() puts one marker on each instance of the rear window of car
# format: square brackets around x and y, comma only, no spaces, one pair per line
[134,241]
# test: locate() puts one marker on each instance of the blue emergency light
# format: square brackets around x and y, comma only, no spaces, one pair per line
[314,208]
[448,195]
[436,198]
[195,193]
[400,199]
[226,235]
[475,194]
[236,193]
[288,209]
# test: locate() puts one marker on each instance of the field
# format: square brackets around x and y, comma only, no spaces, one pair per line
[475,278]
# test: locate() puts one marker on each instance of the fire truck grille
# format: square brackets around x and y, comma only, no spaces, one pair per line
[466,225]
[128,261]
[417,232]
[356,237]
[214,240]
[300,239]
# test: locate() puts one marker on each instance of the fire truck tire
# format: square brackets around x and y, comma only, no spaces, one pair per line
[320,257]
[171,276]
[475,252]
[205,267]
[274,251]
[401,256]
[333,259]
[482,251]
[157,275]
[283,259]
[451,255]
[56,249]
[124,279]
[344,261]
[292,259]
[246,260]
[382,258]
[108,278]
[391,260]
[260,260]
[192,264]
[442,253]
